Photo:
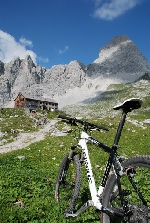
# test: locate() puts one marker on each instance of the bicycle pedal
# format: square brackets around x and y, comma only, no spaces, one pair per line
[126,192]
[69,215]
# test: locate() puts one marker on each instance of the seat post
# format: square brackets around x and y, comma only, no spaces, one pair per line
[120,127]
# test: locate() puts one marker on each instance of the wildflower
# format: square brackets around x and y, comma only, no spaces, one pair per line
[19,203]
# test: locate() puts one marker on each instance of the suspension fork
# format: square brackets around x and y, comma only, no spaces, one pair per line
[71,153]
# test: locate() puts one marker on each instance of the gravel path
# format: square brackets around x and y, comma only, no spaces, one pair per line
[25,139]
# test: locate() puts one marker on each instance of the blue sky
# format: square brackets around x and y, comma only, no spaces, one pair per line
[59,31]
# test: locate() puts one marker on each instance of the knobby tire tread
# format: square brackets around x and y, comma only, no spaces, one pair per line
[76,191]
[142,160]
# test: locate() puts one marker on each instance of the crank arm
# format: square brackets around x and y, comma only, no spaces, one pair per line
[81,210]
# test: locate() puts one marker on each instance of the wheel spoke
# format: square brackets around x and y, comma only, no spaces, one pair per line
[135,197]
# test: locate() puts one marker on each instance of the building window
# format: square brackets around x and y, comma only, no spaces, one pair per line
[22,99]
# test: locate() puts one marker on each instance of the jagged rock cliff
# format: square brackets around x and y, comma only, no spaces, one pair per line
[119,57]
[118,61]
[64,77]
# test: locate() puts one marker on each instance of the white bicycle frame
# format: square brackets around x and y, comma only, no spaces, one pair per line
[95,194]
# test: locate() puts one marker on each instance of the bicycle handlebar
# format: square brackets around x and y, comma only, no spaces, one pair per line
[84,123]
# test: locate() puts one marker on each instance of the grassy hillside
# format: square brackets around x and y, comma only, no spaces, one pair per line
[28,176]
[102,104]
[14,121]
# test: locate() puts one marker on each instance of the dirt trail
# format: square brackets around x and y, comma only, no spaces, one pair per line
[25,139]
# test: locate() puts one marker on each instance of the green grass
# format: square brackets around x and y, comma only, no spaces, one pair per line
[102,105]
[13,121]
[32,181]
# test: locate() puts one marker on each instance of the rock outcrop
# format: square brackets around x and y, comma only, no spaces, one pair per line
[60,78]
[119,57]
[118,61]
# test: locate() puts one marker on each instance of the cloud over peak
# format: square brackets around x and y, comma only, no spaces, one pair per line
[25,42]
[113,8]
[10,48]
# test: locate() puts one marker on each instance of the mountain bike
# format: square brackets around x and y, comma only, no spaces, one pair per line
[124,191]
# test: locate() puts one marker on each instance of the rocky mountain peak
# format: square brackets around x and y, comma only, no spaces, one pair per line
[119,61]
[117,40]
[62,77]
[27,63]
[120,56]
[28,57]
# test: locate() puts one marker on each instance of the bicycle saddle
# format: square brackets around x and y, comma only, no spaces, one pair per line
[129,105]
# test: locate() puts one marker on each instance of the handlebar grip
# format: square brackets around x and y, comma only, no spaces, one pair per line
[104,128]
[82,122]
[99,127]
[64,117]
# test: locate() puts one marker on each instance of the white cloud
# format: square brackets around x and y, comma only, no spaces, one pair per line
[97,2]
[10,48]
[45,60]
[64,50]
[114,8]
[25,42]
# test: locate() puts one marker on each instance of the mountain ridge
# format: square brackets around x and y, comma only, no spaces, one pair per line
[119,61]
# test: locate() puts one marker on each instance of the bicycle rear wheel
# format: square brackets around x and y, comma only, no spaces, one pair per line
[68,183]
[140,211]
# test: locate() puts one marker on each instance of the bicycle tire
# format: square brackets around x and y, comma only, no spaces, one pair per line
[68,182]
[142,178]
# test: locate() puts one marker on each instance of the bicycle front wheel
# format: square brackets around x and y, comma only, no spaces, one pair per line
[140,210]
[68,183]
